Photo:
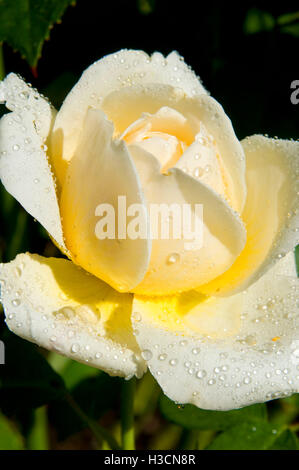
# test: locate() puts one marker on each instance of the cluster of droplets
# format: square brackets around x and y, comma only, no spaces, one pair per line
[137,67]
[194,168]
[74,330]
[253,367]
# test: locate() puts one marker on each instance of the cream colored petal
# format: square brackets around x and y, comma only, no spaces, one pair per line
[59,306]
[179,264]
[101,172]
[223,353]
[125,106]
[113,72]
[24,167]
[165,135]
[286,266]
[201,162]
[270,214]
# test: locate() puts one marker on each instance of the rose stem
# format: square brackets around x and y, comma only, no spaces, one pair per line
[98,431]
[127,414]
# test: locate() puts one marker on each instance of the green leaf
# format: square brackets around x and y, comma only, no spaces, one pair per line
[26,378]
[74,372]
[287,18]
[286,441]
[10,438]
[191,417]
[38,438]
[25,24]
[94,395]
[292,29]
[245,436]
[257,20]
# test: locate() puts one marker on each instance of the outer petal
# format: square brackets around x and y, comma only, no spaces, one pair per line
[24,168]
[223,353]
[127,67]
[126,106]
[59,306]
[100,172]
[179,264]
[270,214]
[286,266]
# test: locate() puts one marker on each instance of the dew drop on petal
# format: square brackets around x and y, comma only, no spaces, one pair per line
[173,258]
[146,354]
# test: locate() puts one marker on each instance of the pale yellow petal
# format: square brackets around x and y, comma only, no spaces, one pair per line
[125,106]
[113,72]
[178,263]
[24,167]
[101,172]
[223,353]
[270,214]
[59,306]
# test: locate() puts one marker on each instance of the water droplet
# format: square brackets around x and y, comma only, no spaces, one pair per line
[136,316]
[197,172]
[18,272]
[75,348]
[146,354]
[200,374]
[173,258]
[24,95]
[173,362]
[162,357]
[195,350]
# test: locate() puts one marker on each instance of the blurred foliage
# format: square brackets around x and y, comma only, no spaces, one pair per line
[191,417]
[146,6]
[257,21]
[246,59]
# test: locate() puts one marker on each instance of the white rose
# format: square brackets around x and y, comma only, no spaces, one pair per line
[216,324]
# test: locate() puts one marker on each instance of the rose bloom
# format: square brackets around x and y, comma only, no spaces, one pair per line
[217,325]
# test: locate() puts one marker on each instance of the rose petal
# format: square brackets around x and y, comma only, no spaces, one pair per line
[270,214]
[125,106]
[182,264]
[223,353]
[59,306]
[100,172]
[286,266]
[24,168]
[201,162]
[108,74]
[165,135]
